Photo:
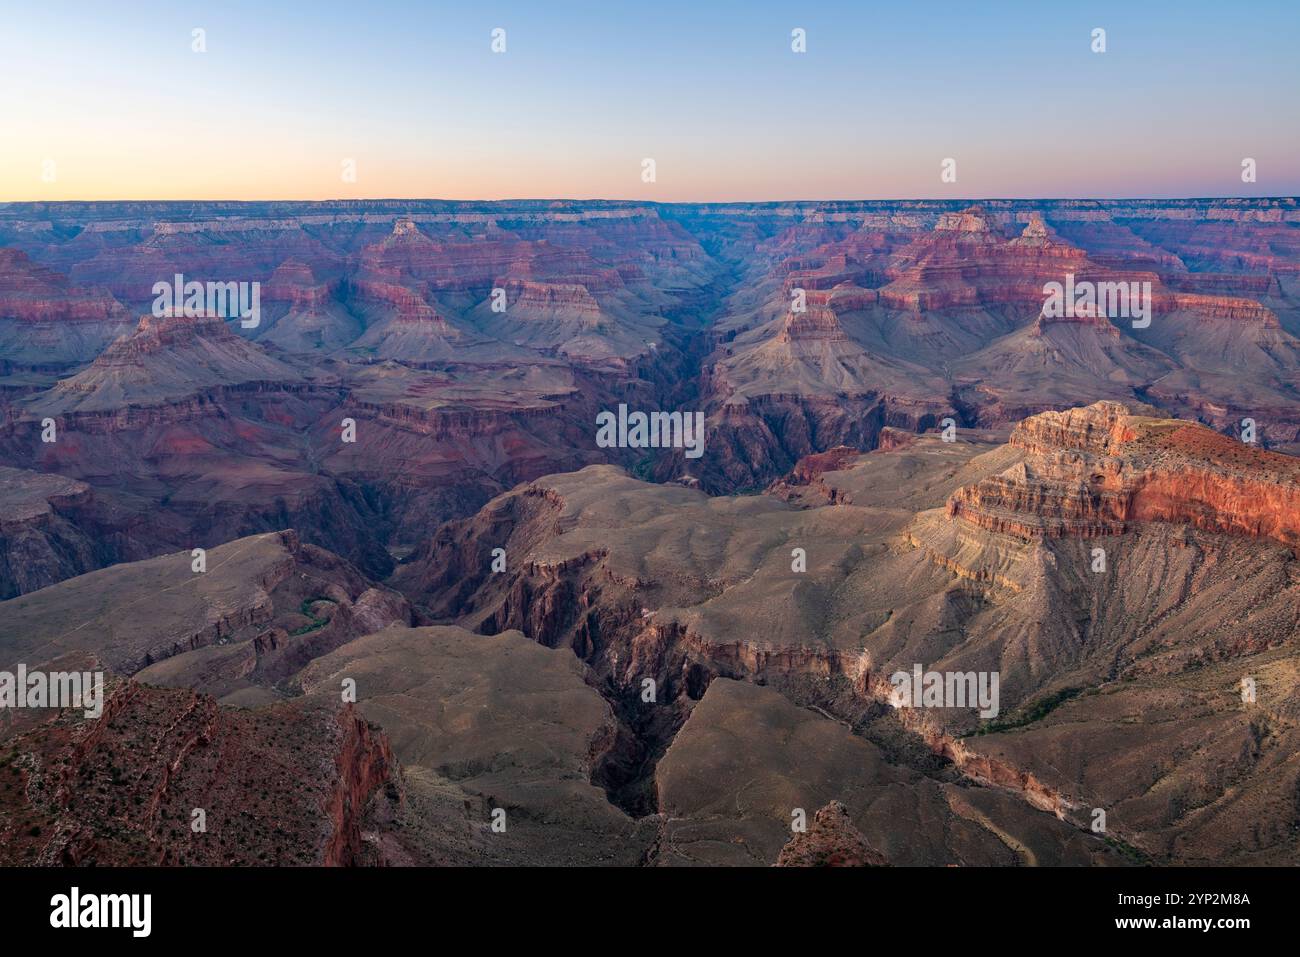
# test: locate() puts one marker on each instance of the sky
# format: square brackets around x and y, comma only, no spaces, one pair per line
[110,101]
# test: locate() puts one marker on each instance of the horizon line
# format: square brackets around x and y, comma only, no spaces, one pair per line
[678,202]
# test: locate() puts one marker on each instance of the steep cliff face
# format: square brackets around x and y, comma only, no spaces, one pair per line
[34,293]
[481,722]
[51,528]
[199,470]
[366,767]
[751,443]
[818,323]
[461,265]
[807,473]
[1101,470]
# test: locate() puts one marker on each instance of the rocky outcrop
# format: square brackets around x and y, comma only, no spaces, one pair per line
[816,323]
[34,293]
[809,470]
[966,262]
[972,220]
[164,360]
[1101,470]
[167,777]
[830,841]
[537,300]
[295,283]
[756,441]
[365,766]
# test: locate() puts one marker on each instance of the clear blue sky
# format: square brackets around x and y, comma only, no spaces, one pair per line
[113,94]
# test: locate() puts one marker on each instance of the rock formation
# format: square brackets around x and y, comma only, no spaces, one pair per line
[830,841]
[1101,470]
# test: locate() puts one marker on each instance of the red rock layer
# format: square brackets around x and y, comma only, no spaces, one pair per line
[294,282]
[811,467]
[572,300]
[407,303]
[32,293]
[1233,308]
[814,324]
[1100,469]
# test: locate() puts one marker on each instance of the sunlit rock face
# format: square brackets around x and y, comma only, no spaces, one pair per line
[1100,470]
